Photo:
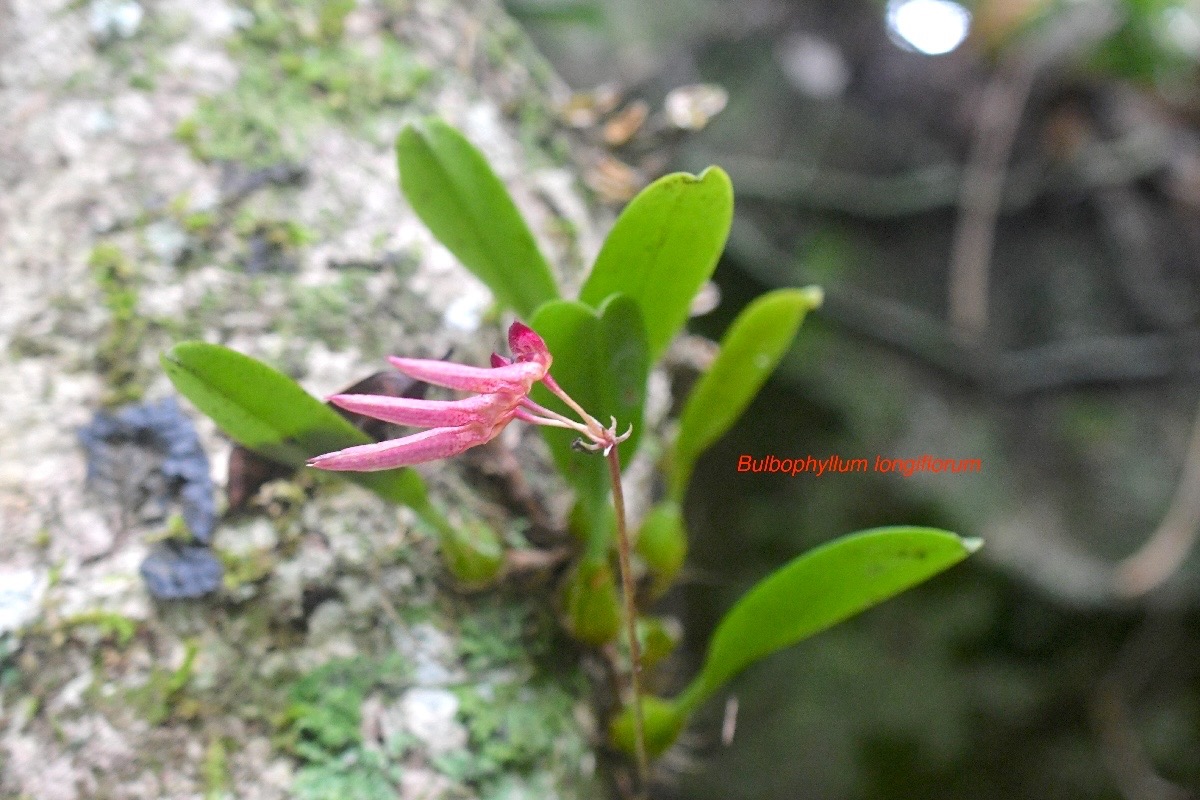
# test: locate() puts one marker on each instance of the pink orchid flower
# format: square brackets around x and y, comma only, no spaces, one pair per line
[458,425]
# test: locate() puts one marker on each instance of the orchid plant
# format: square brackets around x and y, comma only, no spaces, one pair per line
[503,395]
[633,303]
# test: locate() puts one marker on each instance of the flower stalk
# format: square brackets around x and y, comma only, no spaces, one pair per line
[623,550]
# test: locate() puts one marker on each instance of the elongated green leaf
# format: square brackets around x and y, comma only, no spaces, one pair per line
[600,360]
[750,351]
[271,414]
[819,589]
[458,197]
[662,249]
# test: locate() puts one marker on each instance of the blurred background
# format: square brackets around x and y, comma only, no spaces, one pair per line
[1001,200]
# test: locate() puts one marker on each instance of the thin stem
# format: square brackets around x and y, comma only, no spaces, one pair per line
[623,551]
[561,394]
[542,411]
[530,417]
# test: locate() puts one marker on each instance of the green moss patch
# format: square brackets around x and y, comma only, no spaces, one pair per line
[117,355]
[298,70]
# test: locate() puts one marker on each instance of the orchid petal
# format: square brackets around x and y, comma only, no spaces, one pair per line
[425,446]
[512,379]
[526,345]
[484,409]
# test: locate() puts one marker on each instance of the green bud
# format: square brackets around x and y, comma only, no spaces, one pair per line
[472,552]
[657,638]
[663,723]
[577,523]
[662,544]
[591,604]
[592,531]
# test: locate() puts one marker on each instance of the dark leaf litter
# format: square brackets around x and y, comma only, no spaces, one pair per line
[172,570]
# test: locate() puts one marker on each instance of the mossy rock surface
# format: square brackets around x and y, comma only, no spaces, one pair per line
[224,171]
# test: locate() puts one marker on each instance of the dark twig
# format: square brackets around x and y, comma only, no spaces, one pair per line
[1058,366]
[1061,40]
[1141,655]
[982,191]
[1117,162]
[1162,555]
[1139,270]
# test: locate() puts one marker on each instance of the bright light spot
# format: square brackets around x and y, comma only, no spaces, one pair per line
[814,65]
[932,27]
[466,312]
[1181,27]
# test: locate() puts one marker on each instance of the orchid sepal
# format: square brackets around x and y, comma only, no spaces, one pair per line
[527,345]
[428,413]
[515,378]
[418,448]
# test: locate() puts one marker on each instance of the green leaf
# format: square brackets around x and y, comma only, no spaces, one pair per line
[662,249]
[819,589]
[750,351]
[271,414]
[600,360]
[458,197]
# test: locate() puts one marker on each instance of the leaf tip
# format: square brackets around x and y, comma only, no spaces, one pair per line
[175,356]
[971,544]
[415,133]
[718,178]
[813,297]
[716,173]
